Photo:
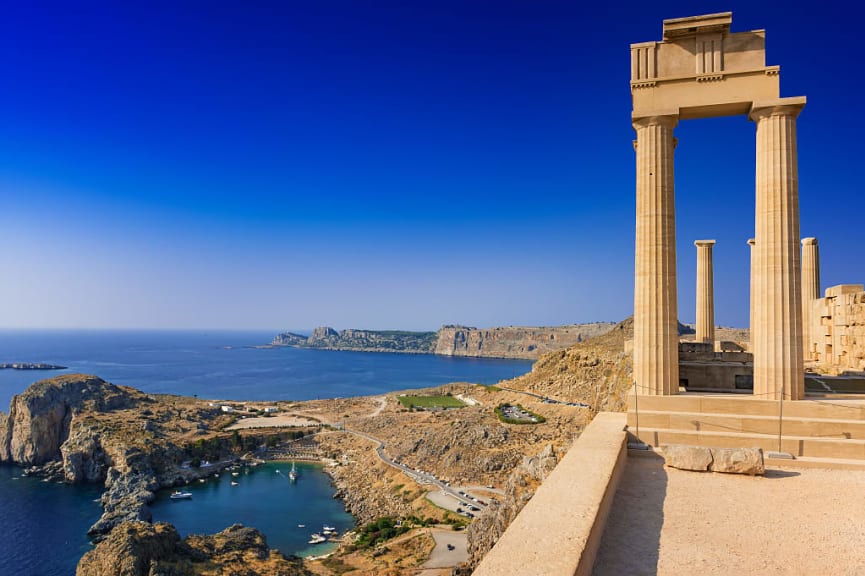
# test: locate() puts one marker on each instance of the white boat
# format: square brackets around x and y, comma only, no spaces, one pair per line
[292,474]
[178,495]
[235,473]
[317,539]
[233,483]
[301,525]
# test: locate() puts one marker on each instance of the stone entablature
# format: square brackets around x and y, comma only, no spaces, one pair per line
[701,69]
[837,331]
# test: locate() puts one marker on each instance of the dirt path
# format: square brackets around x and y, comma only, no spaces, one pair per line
[671,522]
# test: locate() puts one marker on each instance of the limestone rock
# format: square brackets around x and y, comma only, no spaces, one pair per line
[682,457]
[738,461]
[142,549]
[513,341]
[38,420]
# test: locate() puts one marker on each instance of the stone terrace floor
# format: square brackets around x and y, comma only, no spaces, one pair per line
[670,522]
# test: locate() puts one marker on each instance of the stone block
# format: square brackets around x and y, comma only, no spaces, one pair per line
[738,461]
[696,458]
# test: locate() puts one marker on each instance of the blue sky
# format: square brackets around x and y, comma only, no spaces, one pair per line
[382,164]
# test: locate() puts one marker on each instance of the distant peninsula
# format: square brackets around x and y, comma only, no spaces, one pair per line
[30,366]
[526,342]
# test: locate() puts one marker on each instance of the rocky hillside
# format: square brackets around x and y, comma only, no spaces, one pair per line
[596,371]
[142,549]
[504,342]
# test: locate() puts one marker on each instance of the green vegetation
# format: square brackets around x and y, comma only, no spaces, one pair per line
[516,414]
[490,387]
[428,402]
[378,532]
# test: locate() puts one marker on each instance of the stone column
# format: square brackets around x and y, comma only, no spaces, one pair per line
[777,328]
[751,300]
[810,290]
[656,335]
[705,292]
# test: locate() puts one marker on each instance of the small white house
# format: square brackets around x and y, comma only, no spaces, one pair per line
[271,410]
[226,408]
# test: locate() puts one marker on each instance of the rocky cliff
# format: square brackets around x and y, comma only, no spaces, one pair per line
[142,549]
[39,419]
[514,341]
[505,342]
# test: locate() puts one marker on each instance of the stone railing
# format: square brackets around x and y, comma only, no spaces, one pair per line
[559,530]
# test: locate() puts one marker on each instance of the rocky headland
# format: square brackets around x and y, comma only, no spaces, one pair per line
[144,549]
[501,342]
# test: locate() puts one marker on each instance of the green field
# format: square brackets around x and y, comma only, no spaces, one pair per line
[431,402]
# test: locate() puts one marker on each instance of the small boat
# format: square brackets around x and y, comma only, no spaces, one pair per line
[178,495]
[216,475]
[233,483]
[317,539]
[235,473]
[202,480]
[292,474]
[301,525]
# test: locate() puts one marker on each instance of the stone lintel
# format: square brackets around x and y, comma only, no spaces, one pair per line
[787,106]
[809,241]
[699,243]
[693,25]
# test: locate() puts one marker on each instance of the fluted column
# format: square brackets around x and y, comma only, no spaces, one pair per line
[777,328]
[810,289]
[705,292]
[656,337]
[751,243]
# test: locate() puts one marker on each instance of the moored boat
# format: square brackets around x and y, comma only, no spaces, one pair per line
[178,495]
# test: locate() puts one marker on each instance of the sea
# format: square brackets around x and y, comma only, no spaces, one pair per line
[44,525]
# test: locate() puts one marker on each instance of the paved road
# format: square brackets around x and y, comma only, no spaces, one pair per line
[441,556]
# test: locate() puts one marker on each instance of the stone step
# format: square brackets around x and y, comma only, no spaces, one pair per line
[851,449]
[711,422]
[841,409]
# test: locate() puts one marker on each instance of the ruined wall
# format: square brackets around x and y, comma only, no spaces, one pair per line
[837,331]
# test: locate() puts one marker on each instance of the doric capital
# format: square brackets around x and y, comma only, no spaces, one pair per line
[667,120]
[809,241]
[777,107]
[704,243]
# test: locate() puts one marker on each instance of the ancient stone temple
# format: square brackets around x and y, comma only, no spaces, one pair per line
[700,69]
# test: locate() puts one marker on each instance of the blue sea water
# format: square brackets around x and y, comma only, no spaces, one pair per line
[44,524]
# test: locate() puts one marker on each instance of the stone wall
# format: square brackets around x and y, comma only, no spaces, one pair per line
[837,330]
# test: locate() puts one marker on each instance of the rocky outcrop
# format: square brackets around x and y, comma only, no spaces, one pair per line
[142,549]
[39,419]
[514,341]
[519,489]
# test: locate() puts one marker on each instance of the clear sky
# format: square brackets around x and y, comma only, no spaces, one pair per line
[381,164]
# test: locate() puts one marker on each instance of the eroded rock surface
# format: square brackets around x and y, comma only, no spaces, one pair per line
[143,549]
